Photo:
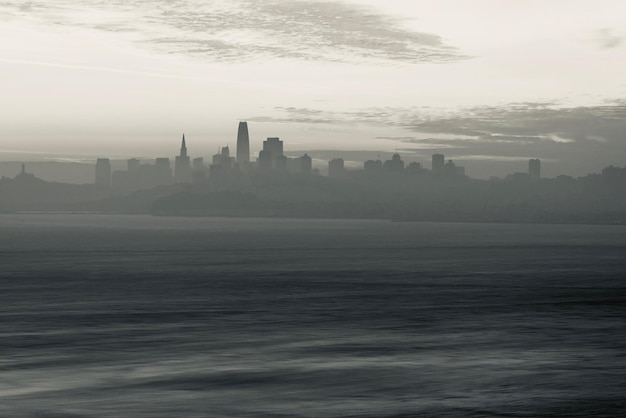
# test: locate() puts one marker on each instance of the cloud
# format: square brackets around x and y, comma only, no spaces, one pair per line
[606,39]
[93,68]
[237,30]
[269,119]
[584,138]
[498,158]
[520,123]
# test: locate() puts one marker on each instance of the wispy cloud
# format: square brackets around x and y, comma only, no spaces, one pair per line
[92,68]
[514,122]
[237,30]
[606,38]
[511,132]
[508,158]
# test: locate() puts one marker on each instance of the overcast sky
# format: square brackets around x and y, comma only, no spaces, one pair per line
[491,83]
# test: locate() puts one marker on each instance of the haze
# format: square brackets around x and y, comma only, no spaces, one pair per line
[489,83]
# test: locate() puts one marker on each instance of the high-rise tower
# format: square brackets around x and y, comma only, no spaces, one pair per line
[438,164]
[183,148]
[534,168]
[243,145]
[182,165]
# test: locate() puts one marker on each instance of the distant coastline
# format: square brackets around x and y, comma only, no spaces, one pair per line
[269,216]
[396,196]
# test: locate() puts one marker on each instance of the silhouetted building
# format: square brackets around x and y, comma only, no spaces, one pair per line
[223,159]
[162,171]
[103,172]
[294,165]
[199,172]
[274,146]
[452,170]
[395,164]
[415,168]
[132,165]
[265,160]
[243,145]
[306,164]
[372,166]
[281,162]
[198,164]
[142,176]
[182,166]
[336,167]
[22,175]
[438,163]
[272,150]
[518,177]
[534,169]
[222,165]
[199,177]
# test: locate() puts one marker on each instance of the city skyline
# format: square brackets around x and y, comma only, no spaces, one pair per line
[271,156]
[302,208]
[494,84]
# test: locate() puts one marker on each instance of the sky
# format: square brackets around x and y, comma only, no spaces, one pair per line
[489,83]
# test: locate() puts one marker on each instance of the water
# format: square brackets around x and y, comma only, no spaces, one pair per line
[107,316]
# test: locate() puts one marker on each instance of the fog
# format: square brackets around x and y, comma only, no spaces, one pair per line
[312,208]
[278,183]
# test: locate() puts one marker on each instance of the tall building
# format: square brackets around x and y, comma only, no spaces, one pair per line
[103,172]
[395,164]
[336,167]
[452,169]
[274,146]
[265,160]
[415,168]
[534,168]
[243,145]
[182,166]
[198,164]
[272,151]
[372,166]
[223,159]
[438,163]
[162,171]
[306,164]
[282,162]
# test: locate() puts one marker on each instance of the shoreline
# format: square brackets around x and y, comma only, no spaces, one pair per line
[312,218]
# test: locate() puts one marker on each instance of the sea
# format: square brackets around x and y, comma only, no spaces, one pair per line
[142,316]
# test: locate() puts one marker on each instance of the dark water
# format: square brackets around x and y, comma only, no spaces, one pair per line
[140,316]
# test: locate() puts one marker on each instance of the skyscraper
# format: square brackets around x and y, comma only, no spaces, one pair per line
[336,167]
[243,145]
[103,172]
[534,169]
[272,150]
[182,166]
[372,166]
[395,164]
[198,164]
[162,171]
[438,163]
[274,146]
[306,164]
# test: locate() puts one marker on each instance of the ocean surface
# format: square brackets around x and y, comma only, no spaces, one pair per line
[139,316]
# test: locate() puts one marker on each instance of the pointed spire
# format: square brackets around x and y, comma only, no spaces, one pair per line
[183,148]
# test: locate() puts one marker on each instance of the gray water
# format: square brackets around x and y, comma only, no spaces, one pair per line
[108,316]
